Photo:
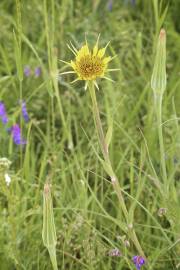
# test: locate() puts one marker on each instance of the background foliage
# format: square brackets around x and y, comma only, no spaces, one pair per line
[62,143]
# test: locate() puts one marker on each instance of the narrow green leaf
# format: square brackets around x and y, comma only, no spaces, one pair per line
[109,135]
[17,54]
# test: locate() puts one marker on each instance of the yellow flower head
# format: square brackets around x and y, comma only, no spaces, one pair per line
[89,65]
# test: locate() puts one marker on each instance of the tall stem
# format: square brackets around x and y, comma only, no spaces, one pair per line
[158,104]
[98,124]
[112,175]
[52,61]
[52,254]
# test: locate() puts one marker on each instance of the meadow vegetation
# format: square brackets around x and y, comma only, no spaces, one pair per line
[59,143]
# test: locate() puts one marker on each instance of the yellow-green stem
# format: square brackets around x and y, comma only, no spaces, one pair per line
[98,124]
[158,105]
[52,254]
[52,61]
[113,177]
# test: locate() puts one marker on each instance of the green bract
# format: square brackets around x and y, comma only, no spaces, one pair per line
[158,80]
[49,230]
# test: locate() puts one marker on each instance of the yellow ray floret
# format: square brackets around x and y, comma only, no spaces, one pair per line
[90,65]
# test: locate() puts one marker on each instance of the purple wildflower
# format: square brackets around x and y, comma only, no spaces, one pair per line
[133,2]
[110,5]
[3,114]
[27,71]
[138,261]
[24,111]
[16,134]
[37,72]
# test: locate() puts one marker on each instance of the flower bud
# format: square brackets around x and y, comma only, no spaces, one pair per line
[162,212]
[49,230]
[158,79]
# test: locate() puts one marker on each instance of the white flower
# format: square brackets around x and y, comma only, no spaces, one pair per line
[7,179]
[4,164]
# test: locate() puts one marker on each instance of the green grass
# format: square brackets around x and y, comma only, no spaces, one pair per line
[62,141]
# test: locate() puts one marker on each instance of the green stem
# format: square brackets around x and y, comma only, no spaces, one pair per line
[53,69]
[52,254]
[158,104]
[112,175]
[98,124]
[21,122]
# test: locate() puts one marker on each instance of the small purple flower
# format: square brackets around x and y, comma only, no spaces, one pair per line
[27,71]
[138,261]
[110,5]
[16,134]
[24,111]
[37,72]
[133,2]
[3,114]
